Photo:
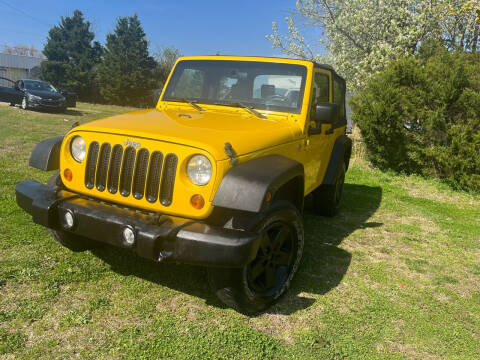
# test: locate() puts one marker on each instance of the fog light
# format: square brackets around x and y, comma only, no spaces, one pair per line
[68,220]
[128,236]
[67,173]
[197,201]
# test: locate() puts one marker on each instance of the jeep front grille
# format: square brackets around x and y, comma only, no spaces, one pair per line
[131,172]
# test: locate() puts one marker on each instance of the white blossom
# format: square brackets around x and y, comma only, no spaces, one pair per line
[362,36]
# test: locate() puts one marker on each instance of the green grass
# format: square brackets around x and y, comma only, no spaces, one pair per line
[395,275]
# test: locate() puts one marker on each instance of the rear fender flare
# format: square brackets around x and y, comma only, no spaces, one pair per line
[341,152]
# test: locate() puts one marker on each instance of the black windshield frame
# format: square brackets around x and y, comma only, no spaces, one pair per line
[251,68]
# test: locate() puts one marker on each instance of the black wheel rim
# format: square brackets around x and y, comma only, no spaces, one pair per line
[275,258]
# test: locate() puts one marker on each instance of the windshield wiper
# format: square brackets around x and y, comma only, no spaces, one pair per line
[242,105]
[191,102]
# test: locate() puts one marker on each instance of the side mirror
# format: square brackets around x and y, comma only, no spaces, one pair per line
[325,113]
[156,96]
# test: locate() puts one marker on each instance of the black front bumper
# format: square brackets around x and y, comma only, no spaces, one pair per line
[46,105]
[157,237]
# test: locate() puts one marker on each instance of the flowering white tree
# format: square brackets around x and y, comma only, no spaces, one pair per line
[362,36]
[461,24]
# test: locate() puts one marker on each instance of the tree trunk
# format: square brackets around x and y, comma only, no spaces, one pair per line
[476,33]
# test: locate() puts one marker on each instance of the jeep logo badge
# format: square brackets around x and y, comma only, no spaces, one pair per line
[135,144]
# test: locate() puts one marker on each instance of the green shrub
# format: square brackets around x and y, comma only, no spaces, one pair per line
[422,115]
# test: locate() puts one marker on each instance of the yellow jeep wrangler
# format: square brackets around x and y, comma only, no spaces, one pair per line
[215,175]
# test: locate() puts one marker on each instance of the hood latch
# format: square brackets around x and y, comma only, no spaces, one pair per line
[231,153]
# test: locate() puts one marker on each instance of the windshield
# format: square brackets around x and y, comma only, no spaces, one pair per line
[260,85]
[38,85]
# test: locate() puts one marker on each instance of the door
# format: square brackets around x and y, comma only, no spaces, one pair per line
[18,93]
[4,85]
[9,92]
[319,146]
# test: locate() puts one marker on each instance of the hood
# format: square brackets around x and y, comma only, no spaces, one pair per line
[208,130]
[44,94]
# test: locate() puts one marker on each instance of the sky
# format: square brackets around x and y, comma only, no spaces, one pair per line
[194,27]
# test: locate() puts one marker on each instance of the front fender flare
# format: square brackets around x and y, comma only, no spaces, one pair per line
[46,154]
[245,186]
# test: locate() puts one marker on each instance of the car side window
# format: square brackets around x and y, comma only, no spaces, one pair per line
[339,98]
[321,89]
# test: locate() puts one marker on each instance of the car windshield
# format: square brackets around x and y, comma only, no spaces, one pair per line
[38,85]
[260,85]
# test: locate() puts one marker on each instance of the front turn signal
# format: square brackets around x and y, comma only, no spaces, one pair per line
[197,201]
[68,175]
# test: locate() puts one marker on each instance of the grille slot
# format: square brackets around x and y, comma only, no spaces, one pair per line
[168,179]
[153,179]
[91,164]
[102,166]
[114,170]
[140,174]
[127,171]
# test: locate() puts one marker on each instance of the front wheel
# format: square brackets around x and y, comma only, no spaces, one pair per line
[260,283]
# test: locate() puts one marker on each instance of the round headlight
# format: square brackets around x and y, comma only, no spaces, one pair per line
[199,170]
[77,148]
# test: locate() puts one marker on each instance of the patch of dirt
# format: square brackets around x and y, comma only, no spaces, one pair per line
[9,148]
[407,350]
[281,326]
[431,193]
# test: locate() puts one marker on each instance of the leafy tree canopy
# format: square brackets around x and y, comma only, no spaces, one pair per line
[72,55]
[422,115]
[165,59]
[125,76]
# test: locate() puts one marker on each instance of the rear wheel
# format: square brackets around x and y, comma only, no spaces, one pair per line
[71,241]
[327,198]
[260,283]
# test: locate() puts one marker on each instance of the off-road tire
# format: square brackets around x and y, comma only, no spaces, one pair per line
[70,241]
[327,198]
[245,289]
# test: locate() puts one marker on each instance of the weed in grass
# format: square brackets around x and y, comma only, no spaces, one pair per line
[76,318]
[410,239]
[5,316]
[476,269]
[418,265]
[32,309]
[444,279]
[51,289]
[11,342]
[99,303]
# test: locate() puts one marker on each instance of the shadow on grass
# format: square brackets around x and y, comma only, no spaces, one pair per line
[323,267]
[70,112]
[73,112]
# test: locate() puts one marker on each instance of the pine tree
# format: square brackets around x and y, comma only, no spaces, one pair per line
[72,56]
[125,76]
